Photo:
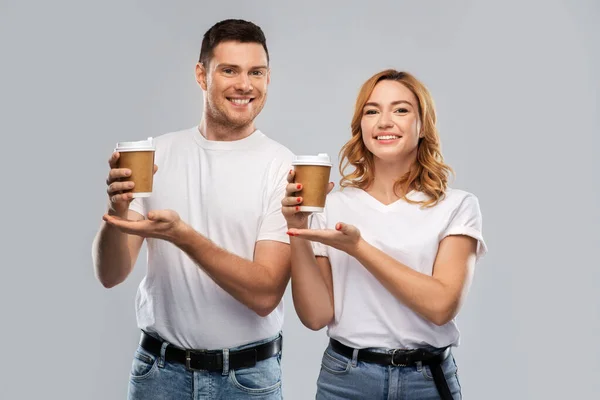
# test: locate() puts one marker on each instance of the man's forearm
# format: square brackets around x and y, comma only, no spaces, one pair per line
[247,281]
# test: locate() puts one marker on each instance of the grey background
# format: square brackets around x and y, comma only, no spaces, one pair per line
[516,87]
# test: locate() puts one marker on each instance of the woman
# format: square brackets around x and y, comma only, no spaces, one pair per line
[387,265]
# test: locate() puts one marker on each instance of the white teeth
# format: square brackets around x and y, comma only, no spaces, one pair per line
[387,137]
[240,101]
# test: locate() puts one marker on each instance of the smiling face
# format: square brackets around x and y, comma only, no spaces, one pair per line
[390,122]
[235,83]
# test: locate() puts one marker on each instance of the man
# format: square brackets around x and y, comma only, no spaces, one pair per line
[210,306]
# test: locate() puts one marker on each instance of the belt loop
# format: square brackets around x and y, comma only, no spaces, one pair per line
[419,366]
[163,350]
[354,357]
[225,362]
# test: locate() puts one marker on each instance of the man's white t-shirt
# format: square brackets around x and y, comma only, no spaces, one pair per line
[366,313]
[230,192]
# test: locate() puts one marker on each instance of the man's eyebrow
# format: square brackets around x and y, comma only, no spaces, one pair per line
[226,65]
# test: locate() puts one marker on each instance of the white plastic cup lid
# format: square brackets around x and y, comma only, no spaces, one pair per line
[320,159]
[141,145]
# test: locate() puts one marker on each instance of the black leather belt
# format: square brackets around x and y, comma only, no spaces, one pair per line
[398,358]
[403,358]
[212,360]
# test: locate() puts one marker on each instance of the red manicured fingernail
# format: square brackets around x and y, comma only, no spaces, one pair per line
[290,234]
[298,186]
[297,208]
[298,199]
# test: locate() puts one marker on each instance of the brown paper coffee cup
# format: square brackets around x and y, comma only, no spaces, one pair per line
[139,158]
[313,173]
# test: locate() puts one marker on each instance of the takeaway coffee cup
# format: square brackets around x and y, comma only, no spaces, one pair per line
[313,173]
[139,158]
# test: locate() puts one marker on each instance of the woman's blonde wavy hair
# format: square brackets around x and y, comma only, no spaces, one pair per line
[429,174]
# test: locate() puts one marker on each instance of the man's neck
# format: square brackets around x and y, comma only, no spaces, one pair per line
[224,133]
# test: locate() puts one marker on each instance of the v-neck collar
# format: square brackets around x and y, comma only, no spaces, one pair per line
[378,205]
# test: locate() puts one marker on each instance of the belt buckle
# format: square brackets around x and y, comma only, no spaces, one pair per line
[188,359]
[394,362]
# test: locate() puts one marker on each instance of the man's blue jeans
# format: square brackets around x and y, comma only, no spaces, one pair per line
[154,378]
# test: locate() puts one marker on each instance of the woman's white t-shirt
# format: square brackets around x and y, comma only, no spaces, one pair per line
[366,313]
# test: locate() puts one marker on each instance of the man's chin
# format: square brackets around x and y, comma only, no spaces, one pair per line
[238,123]
[241,119]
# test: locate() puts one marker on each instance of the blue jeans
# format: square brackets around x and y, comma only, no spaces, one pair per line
[342,378]
[152,378]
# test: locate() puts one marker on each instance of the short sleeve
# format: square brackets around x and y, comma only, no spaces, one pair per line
[273,225]
[467,220]
[318,221]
